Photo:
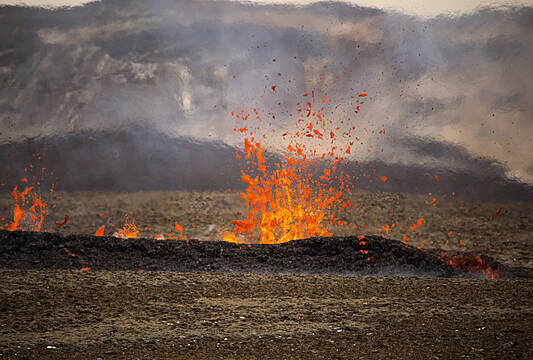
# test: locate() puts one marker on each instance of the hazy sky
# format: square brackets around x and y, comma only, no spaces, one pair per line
[418,7]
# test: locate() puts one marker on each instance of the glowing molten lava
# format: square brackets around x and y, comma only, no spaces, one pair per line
[283,205]
[100,231]
[470,263]
[290,200]
[28,211]
[129,231]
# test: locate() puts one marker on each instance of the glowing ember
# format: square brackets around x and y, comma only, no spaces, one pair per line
[61,224]
[69,253]
[496,214]
[470,263]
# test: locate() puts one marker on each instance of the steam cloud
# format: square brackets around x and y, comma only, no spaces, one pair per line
[454,94]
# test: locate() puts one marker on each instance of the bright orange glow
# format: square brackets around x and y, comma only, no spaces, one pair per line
[289,201]
[100,231]
[29,208]
[28,211]
[129,231]
[179,228]
[17,215]
[417,225]
[230,237]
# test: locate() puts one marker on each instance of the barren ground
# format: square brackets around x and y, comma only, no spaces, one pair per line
[130,315]
[59,314]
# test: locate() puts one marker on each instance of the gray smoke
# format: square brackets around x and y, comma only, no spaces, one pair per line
[454,94]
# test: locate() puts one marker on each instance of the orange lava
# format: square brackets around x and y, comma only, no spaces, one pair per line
[129,231]
[100,231]
[61,224]
[290,200]
[28,211]
[179,228]
[470,263]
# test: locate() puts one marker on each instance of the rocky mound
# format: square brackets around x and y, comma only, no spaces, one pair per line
[333,255]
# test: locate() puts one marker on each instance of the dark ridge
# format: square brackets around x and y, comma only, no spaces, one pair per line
[136,159]
[131,159]
[335,255]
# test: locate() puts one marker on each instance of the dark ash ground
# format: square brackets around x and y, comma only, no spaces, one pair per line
[334,255]
[180,308]
[129,315]
[146,299]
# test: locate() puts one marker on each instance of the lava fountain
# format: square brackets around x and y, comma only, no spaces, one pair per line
[290,200]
